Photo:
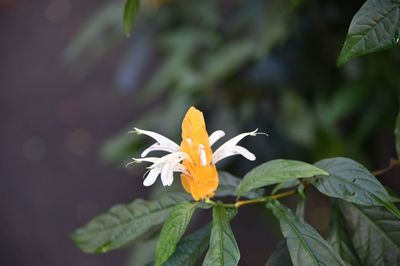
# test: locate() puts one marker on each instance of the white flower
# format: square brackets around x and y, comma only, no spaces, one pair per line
[170,163]
[193,158]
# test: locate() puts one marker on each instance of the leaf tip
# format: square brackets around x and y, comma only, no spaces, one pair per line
[341,60]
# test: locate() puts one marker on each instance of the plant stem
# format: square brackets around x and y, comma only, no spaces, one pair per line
[392,164]
[265,199]
[240,203]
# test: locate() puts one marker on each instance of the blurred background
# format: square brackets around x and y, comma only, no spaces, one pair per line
[72,86]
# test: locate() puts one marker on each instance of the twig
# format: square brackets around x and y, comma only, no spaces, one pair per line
[392,164]
[240,203]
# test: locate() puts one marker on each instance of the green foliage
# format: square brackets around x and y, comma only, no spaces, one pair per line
[285,185]
[231,62]
[338,237]
[131,9]
[375,234]
[306,246]
[209,58]
[228,185]
[223,250]
[277,171]
[350,181]
[375,27]
[190,248]
[368,225]
[173,230]
[122,224]
[301,205]
[280,256]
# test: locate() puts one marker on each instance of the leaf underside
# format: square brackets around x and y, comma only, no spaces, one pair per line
[280,256]
[228,185]
[124,223]
[223,250]
[375,234]
[306,246]
[173,229]
[339,238]
[190,248]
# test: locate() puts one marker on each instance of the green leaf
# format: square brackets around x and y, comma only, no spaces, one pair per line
[397,135]
[338,237]
[285,185]
[228,185]
[276,171]
[375,234]
[173,230]
[280,256]
[124,223]
[190,248]
[350,181]
[223,250]
[375,27]
[301,207]
[131,9]
[306,246]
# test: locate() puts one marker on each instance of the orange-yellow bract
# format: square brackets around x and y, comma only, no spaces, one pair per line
[194,158]
[202,177]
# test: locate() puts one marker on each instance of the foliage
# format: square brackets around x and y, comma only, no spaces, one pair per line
[248,64]
[375,27]
[369,223]
[205,51]
[130,11]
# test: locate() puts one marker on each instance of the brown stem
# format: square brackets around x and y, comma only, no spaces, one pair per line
[240,203]
[264,199]
[392,164]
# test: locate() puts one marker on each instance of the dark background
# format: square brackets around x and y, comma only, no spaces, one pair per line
[52,179]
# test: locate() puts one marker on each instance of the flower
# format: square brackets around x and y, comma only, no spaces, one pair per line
[194,158]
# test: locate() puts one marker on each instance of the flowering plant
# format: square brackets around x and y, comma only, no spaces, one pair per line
[357,197]
[364,219]
[193,158]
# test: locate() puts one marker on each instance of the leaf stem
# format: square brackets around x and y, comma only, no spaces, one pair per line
[265,199]
[240,203]
[393,163]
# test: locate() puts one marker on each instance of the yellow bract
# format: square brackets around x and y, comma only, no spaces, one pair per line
[201,179]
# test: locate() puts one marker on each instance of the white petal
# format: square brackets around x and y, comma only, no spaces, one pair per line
[167,175]
[164,166]
[229,148]
[165,143]
[180,168]
[235,151]
[156,147]
[174,158]
[215,136]
[245,153]
[147,159]
[151,177]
